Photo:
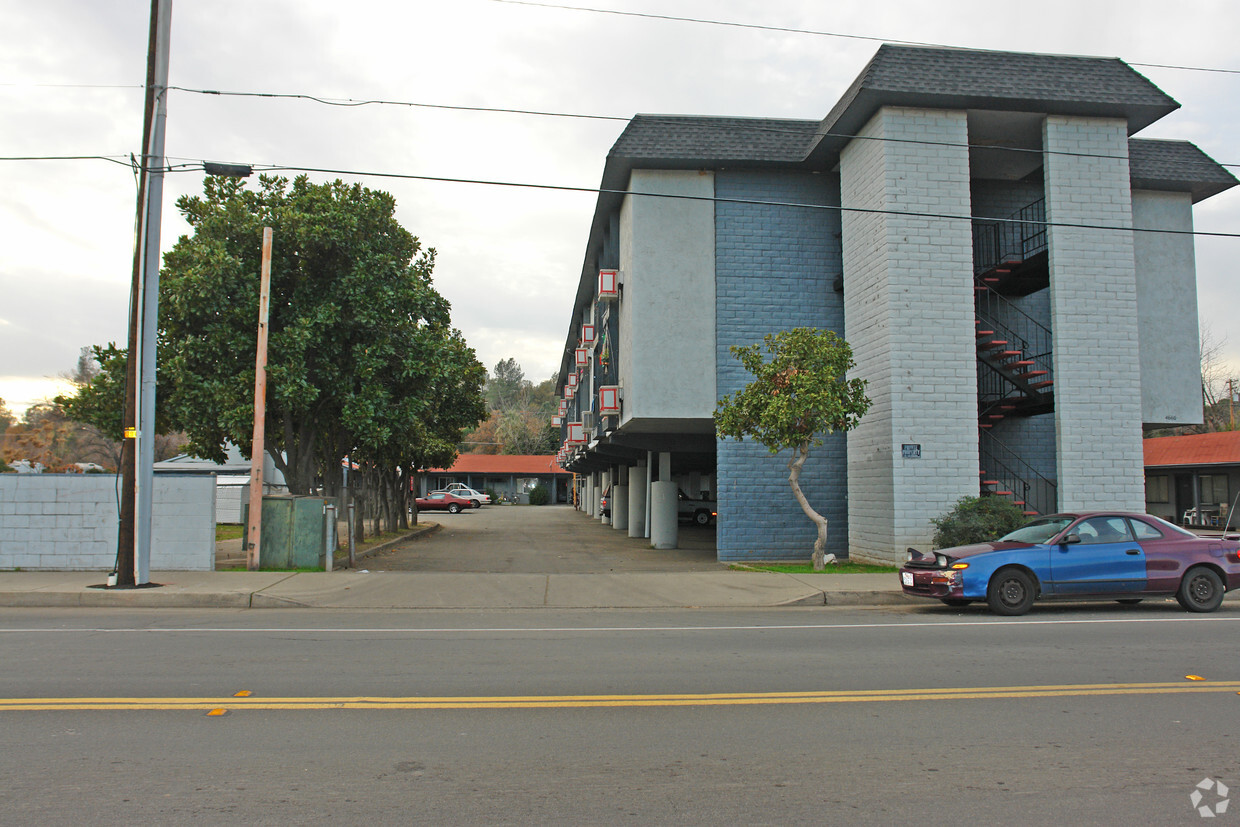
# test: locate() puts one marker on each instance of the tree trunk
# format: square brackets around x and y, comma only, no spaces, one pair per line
[799,455]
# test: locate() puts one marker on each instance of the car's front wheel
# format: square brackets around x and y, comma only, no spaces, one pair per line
[1010,592]
[701,517]
[454,509]
[1201,590]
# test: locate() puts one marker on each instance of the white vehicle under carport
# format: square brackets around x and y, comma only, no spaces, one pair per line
[699,512]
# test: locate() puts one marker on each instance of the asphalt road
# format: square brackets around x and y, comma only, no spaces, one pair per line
[1071,715]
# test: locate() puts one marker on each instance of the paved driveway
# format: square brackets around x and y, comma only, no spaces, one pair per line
[549,539]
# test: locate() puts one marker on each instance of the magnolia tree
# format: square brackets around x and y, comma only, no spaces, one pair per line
[799,393]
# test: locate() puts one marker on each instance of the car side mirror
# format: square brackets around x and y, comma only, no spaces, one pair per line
[1070,539]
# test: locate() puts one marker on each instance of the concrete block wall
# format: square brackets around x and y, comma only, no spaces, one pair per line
[1169,339]
[667,319]
[1093,297]
[909,315]
[775,269]
[1032,438]
[68,522]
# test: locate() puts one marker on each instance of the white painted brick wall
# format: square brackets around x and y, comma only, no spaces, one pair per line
[908,304]
[1093,315]
[68,522]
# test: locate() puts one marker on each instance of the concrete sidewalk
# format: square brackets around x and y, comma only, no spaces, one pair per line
[447,590]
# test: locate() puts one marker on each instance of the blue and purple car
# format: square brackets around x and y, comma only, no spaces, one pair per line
[1119,556]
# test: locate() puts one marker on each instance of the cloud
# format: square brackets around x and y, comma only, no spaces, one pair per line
[509,259]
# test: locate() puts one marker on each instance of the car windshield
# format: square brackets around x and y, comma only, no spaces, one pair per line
[1039,531]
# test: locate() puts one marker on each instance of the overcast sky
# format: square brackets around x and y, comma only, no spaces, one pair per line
[509,258]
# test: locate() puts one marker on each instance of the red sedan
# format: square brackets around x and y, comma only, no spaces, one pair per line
[442,501]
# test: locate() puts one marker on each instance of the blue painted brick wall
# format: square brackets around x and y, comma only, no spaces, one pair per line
[775,269]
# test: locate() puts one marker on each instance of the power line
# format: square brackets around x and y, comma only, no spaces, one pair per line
[719,200]
[116,159]
[199,166]
[738,122]
[352,102]
[817,33]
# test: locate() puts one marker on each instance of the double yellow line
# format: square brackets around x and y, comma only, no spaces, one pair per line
[223,704]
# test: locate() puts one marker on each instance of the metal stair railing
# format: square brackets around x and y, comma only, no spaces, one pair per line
[1016,238]
[1022,332]
[1001,464]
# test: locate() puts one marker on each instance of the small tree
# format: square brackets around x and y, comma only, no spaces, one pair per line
[799,394]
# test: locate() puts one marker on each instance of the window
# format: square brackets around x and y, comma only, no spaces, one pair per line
[1103,530]
[1214,488]
[1157,490]
[1145,531]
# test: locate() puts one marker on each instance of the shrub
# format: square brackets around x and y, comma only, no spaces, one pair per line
[539,495]
[977,520]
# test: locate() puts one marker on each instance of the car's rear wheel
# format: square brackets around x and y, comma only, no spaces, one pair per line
[701,517]
[1010,592]
[1201,590]
[475,504]
[956,602]
[454,509]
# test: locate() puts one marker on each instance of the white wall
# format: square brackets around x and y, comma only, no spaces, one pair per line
[909,316]
[667,312]
[1167,309]
[1093,297]
[68,522]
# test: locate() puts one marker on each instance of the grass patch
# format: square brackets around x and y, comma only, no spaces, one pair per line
[808,568]
[227,531]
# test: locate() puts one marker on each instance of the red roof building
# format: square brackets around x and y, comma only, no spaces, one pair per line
[1193,479]
[509,476]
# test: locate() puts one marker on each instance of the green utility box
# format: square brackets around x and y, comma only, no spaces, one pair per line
[292,535]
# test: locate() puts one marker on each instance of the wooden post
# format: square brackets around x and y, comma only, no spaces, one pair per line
[254,527]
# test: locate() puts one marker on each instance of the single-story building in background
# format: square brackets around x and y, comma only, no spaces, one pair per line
[1189,479]
[510,476]
[232,479]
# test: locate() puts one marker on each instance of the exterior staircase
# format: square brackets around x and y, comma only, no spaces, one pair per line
[1015,365]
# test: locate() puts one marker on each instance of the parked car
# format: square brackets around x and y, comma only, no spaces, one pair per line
[1085,556]
[701,512]
[604,502]
[477,499]
[442,500]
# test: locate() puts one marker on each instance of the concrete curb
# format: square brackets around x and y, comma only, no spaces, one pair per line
[418,532]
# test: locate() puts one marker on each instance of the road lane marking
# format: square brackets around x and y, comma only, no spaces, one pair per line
[220,705]
[920,622]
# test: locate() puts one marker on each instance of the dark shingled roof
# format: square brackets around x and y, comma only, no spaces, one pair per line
[1177,166]
[957,79]
[705,141]
[1012,81]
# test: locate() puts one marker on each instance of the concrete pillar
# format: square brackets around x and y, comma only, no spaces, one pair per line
[620,507]
[637,501]
[1093,293]
[663,523]
[909,316]
[588,500]
[604,484]
[663,518]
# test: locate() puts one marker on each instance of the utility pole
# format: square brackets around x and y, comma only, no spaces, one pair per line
[137,449]
[254,525]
